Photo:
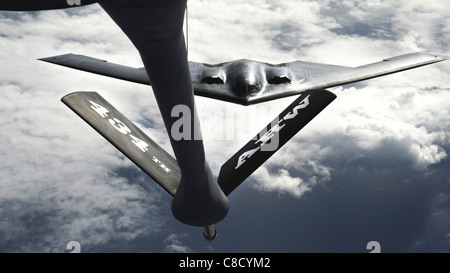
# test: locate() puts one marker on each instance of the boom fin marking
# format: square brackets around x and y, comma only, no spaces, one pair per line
[126,137]
[241,165]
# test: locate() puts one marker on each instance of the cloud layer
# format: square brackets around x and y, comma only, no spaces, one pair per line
[402,118]
[62,182]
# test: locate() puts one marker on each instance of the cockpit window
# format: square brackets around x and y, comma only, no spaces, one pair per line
[278,80]
[212,80]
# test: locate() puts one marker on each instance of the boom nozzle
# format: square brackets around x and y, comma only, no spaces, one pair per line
[210,233]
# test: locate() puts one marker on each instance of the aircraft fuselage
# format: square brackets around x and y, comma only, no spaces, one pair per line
[245,77]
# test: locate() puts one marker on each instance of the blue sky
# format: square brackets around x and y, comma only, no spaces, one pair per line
[385,139]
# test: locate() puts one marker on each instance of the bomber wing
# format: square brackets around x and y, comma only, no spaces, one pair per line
[309,75]
[275,80]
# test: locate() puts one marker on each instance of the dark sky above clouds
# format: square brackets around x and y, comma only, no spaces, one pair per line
[373,166]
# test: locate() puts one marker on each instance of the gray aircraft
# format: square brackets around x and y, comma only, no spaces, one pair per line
[155,27]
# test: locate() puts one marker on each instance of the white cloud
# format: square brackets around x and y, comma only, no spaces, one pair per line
[282,181]
[401,118]
[175,245]
[58,175]
[58,171]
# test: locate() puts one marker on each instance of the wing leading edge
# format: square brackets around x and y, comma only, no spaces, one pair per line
[322,76]
[233,81]
[100,67]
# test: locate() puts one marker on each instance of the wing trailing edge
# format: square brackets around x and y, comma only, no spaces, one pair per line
[126,137]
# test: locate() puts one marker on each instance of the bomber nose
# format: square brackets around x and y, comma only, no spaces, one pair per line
[245,85]
[246,77]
